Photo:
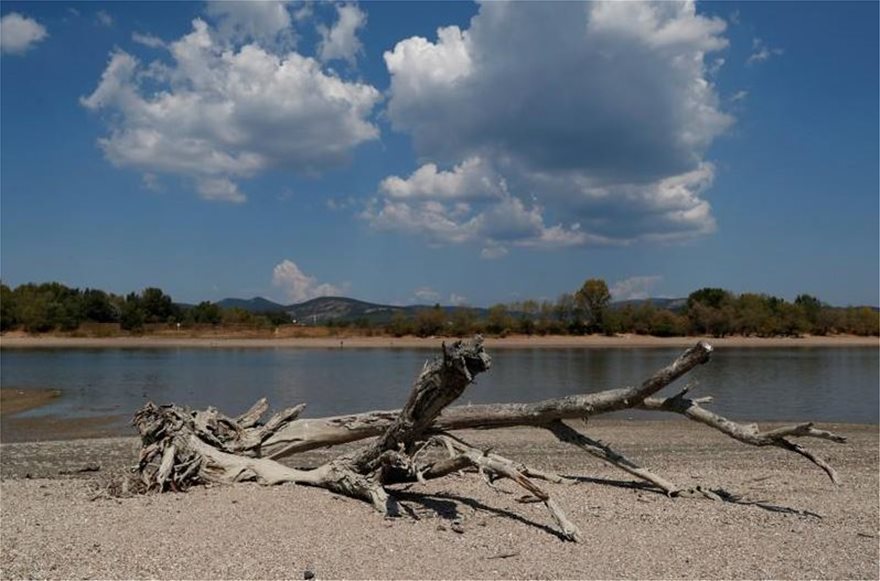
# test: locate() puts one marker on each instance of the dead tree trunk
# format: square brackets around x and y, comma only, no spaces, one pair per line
[181,448]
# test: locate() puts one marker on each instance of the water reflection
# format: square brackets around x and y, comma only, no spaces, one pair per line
[825,384]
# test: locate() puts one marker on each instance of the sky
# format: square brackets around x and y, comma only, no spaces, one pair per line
[441,151]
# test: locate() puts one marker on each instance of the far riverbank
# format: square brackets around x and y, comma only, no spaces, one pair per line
[360,342]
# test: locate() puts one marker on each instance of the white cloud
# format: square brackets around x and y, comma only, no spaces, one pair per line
[147,40]
[739,96]
[266,22]
[425,294]
[219,189]
[457,300]
[19,33]
[468,203]
[471,180]
[103,18]
[634,288]
[588,123]
[761,52]
[340,41]
[298,286]
[227,113]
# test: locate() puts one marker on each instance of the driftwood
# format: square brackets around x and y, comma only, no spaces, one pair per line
[182,448]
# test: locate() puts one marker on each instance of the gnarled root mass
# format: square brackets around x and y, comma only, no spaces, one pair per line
[182,448]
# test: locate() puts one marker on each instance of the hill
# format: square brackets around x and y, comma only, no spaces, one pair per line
[254,305]
[344,309]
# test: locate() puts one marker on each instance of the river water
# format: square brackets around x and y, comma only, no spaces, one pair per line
[836,384]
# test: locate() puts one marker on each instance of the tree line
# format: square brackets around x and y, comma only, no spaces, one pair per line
[38,308]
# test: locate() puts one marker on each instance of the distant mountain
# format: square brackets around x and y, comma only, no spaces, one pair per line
[343,309]
[325,309]
[254,305]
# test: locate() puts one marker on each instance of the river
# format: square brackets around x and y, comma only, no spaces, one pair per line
[828,384]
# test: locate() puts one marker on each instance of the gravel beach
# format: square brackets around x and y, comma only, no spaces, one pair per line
[58,526]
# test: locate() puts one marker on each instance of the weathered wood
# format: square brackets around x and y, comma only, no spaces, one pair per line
[308,434]
[181,447]
[569,435]
[749,434]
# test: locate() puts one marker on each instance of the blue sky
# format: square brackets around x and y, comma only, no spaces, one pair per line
[436,151]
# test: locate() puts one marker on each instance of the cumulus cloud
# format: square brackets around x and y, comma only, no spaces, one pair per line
[298,286]
[19,33]
[468,203]
[590,124]
[266,21]
[224,112]
[340,41]
[761,52]
[471,180]
[425,294]
[634,288]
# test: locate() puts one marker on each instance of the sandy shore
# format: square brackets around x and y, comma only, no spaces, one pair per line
[513,342]
[54,527]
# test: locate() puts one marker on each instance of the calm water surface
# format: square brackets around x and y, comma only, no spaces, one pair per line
[837,384]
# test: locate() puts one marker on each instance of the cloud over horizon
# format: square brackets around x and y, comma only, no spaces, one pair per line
[298,286]
[634,287]
[589,124]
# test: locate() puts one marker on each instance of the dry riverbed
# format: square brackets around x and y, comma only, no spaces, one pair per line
[59,526]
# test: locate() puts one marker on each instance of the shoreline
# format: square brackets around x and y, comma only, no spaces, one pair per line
[361,342]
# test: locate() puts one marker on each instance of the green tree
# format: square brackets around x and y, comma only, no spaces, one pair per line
[528,311]
[565,310]
[811,307]
[863,321]
[754,315]
[463,322]
[642,318]
[97,307]
[132,315]
[400,324]
[594,298]
[714,298]
[710,312]
[206,313]
[430,321]
[498,320]
[237,317]
[158,307]
[665,323]
[9,317]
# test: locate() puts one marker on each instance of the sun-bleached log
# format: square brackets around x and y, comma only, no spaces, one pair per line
[308,434]
[749,433]
[182,447]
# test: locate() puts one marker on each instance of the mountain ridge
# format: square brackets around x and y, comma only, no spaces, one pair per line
[325,309]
